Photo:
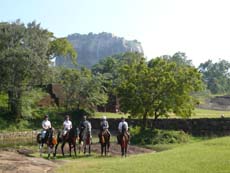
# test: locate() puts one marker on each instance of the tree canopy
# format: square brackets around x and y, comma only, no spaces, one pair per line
[25,54]
[157,88]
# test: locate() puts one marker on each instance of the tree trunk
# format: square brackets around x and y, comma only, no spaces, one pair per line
[144,121]
[155,120]
[14,96]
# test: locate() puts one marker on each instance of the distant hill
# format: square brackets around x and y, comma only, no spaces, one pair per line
[93,47]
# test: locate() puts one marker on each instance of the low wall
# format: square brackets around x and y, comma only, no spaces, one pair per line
[199,127]
[17,138]
[203,126]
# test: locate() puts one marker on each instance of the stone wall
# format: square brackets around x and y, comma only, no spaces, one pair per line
[16,138]
[198,127]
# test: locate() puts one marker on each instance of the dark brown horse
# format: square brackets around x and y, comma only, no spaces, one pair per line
[124,141]
[69,138]
[104,138]
[49,140]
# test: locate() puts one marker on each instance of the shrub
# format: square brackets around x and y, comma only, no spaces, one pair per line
[156,136]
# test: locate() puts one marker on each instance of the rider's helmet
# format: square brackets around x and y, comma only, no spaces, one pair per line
[67,116]
[103,118]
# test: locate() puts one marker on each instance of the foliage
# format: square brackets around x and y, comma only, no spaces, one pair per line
[108,69]
[30,99]
[158,88]
[216,76]
[83,90]
[25,54]
[155,136]
[179,58]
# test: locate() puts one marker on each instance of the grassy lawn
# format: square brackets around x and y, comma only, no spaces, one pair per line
[199,113]
[210,156]
[204,113]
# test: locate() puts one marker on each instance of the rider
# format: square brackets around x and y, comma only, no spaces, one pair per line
[123,125]
[104,127]
[46,124]
[67,125]
[85,124]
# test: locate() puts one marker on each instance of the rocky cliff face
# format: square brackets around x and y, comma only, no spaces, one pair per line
[93,47]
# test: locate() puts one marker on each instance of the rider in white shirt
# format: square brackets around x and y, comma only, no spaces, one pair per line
[123,125]
[67,125]
[46,124]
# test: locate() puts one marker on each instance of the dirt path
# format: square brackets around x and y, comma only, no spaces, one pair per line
[12,161]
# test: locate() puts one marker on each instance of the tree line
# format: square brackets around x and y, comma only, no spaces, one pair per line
[153,88]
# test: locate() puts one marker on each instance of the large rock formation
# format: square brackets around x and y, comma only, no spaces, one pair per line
[93,47]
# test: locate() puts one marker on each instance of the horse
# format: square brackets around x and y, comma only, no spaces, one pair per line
[85,139]
[70,137]
[104,139]
[49,140]
[124,141]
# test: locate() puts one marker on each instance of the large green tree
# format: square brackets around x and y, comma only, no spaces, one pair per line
[109,69]
[216,76]
[25,56]
[83,90]
[157,88]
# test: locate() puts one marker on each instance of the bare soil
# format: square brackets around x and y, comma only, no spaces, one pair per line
[20,161]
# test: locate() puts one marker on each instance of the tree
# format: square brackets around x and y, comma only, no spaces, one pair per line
[83,90]
[216,76]
[157,88]
[25,54]
[179,58]
[109,69]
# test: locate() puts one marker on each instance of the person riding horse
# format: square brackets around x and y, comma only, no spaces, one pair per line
[122,128]
[67,125]
[46,124]
[85,129]
[104,128]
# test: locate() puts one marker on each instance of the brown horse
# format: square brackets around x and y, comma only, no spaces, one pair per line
[104,138]
[124,141]
[69,138]
[49,140]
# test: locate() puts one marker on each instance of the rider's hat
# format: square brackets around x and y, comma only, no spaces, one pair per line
[103,118]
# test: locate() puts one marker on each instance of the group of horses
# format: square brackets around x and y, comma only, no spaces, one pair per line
[74,139]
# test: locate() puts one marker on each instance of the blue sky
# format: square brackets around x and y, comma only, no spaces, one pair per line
[200,28]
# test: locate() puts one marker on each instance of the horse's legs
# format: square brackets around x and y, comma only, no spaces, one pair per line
[55,150]
[49,151]
[122,151]
[40,149]
[102,149]
[74,148]
[62,148]
[105,149]
[70,149]
[89,148]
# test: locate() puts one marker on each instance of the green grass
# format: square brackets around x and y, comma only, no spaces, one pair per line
[110,115]
[211,156]
[199,113]
[204,113]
